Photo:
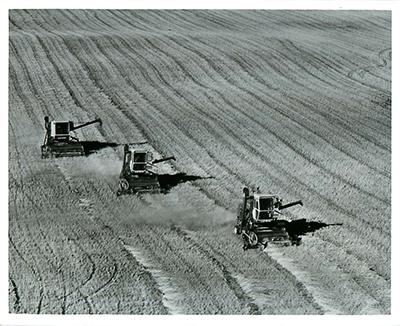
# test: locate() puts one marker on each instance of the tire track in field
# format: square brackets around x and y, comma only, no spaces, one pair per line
[310,57]
[34,272]
[17,300]
[349,75]
[384,55]
[85,289]
[382,63]
[316,59]
[329,61]
[105,283]
[353,62]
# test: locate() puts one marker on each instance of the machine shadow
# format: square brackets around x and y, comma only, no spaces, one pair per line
[301,227]
[168,181]
[91,147]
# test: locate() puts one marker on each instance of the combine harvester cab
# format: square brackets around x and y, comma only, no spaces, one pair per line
[137,175]
[59,142]
[258,222]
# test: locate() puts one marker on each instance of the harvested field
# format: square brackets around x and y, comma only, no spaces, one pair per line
[296,102]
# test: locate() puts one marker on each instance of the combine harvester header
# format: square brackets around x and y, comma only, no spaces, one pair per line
[59,142]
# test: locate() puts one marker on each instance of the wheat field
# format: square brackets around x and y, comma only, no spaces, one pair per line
[296,102]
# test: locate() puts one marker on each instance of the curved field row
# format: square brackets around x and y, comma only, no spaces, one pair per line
[297,103]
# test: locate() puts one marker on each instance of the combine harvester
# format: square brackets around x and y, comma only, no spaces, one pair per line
[137,175]
[258,222]
[59,142]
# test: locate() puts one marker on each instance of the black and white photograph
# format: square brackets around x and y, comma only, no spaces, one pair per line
[199,162]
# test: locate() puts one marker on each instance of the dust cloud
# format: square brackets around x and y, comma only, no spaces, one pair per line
[183,206]
[97,166]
